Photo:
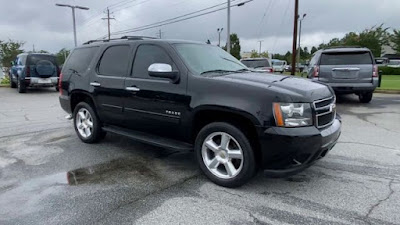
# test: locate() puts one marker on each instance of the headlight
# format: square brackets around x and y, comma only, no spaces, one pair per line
[292,114]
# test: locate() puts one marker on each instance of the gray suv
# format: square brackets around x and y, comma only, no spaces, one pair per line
[346,70]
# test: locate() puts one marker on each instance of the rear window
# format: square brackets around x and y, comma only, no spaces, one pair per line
[80,59]
[256,63]
[34,59]
[346,58]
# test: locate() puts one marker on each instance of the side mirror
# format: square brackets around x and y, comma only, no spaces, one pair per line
[163,70]
[12,63]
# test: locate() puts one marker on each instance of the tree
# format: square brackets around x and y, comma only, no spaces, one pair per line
[313,50]
[235,46]
[395,40]
[9,51]
[62,55]
[254,54]
[264,54]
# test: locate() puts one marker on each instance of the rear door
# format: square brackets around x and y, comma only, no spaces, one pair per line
[346,67]
[107,83]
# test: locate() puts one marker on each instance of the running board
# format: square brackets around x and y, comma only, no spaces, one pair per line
[150,139]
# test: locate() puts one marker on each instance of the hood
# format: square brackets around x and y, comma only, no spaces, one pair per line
[285,84]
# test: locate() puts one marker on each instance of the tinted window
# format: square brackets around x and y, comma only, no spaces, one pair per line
[35,58]
[256,63]
[115,61]
[147,55]
[80,59]
[346,58]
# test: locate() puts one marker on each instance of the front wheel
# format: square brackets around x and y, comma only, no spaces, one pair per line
[365,97]
[87,124]
[225,154]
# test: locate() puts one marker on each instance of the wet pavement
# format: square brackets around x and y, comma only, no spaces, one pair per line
[48,176]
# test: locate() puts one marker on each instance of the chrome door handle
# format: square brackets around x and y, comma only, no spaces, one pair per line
[95,84]
[132,89]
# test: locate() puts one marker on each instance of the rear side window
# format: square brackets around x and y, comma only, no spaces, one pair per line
[256,63]
[147,55]
[346,58]
[115,61]
[80,59]
[34,59]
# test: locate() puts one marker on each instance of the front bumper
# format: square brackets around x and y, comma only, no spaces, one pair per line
[286,151]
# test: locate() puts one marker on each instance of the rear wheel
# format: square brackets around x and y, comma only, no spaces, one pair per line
[87,124]
[12,84]
[225,154]
[365,97]
[21,86]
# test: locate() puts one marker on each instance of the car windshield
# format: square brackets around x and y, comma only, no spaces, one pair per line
[256,63]
[278,63]
[346,58]
[203,59]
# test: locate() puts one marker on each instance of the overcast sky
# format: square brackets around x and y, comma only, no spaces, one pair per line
[48,27]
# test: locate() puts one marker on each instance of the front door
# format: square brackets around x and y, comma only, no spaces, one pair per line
[155,105]
[108,83]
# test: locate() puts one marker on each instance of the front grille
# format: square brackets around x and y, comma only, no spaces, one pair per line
[325,111]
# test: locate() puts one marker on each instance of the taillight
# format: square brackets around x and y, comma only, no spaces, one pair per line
[316,71]
[59,83]
[375,73]
[28,71]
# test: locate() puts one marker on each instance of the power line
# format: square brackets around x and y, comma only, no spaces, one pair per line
[282,21]
[173,20]
[108,18]
[139,3]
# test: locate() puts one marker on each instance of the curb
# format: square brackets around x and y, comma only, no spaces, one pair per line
[387,91]
[4,85]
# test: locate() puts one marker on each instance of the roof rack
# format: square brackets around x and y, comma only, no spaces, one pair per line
[121,38]
[355,46]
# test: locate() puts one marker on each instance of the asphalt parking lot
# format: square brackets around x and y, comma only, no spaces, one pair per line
[48,176]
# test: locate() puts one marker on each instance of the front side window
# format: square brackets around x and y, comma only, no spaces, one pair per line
[147,55]
[115,61]
[205,58]
[80,59]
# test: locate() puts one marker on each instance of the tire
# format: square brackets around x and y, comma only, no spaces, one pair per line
[21,86]
[244,168]
[86,132]
[365,97]
[57,89]
[12,84]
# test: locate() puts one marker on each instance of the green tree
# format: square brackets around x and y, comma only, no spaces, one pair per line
[264,54]
[254,54]
[235,46]
[395,40]
[9,51]
[313,50]
[62,55]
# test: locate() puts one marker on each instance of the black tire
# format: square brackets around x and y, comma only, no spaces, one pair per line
[21,86]
[249,165]
[365,97]
[12,84]
[57,89]
[97,133]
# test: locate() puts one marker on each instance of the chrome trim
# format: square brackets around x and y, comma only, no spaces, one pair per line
[331,105]
[132,89]
[95,84]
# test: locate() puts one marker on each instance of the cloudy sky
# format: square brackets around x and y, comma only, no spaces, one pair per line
[48,27]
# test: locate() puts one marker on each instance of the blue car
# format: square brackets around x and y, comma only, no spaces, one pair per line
[34,70]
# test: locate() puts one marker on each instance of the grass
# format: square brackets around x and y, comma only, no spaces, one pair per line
[390,82]
[4,81]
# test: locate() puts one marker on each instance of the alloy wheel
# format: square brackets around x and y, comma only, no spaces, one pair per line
[84,123]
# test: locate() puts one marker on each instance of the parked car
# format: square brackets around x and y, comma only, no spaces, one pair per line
[278,65]
[34,70]
[346,70]
[382,61]
[258,64]
[185,95]
[395,63]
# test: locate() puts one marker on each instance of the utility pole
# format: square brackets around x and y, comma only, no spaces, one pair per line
[33,48]
[219,30]
[259,52]
[108,22]
[73,16]
[228,40]
[299,48]
[296,13]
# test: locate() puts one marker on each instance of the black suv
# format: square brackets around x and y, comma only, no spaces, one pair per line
[185,95]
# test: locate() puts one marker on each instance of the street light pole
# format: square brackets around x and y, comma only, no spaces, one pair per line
[299,51]
[228,40]
[259,52]
[73,16]
[219,30]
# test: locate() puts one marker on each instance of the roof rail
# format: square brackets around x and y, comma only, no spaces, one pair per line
[121,38]
[354,46]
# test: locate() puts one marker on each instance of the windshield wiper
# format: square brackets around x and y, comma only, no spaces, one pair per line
[218,71]
[231,61]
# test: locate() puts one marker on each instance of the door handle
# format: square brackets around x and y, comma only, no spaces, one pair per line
[95,84]
[132,89]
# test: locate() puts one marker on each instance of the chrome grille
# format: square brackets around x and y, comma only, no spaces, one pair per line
[325,111]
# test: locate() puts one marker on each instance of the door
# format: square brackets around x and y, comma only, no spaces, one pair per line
[346,67]
[107,83]
[155,105]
